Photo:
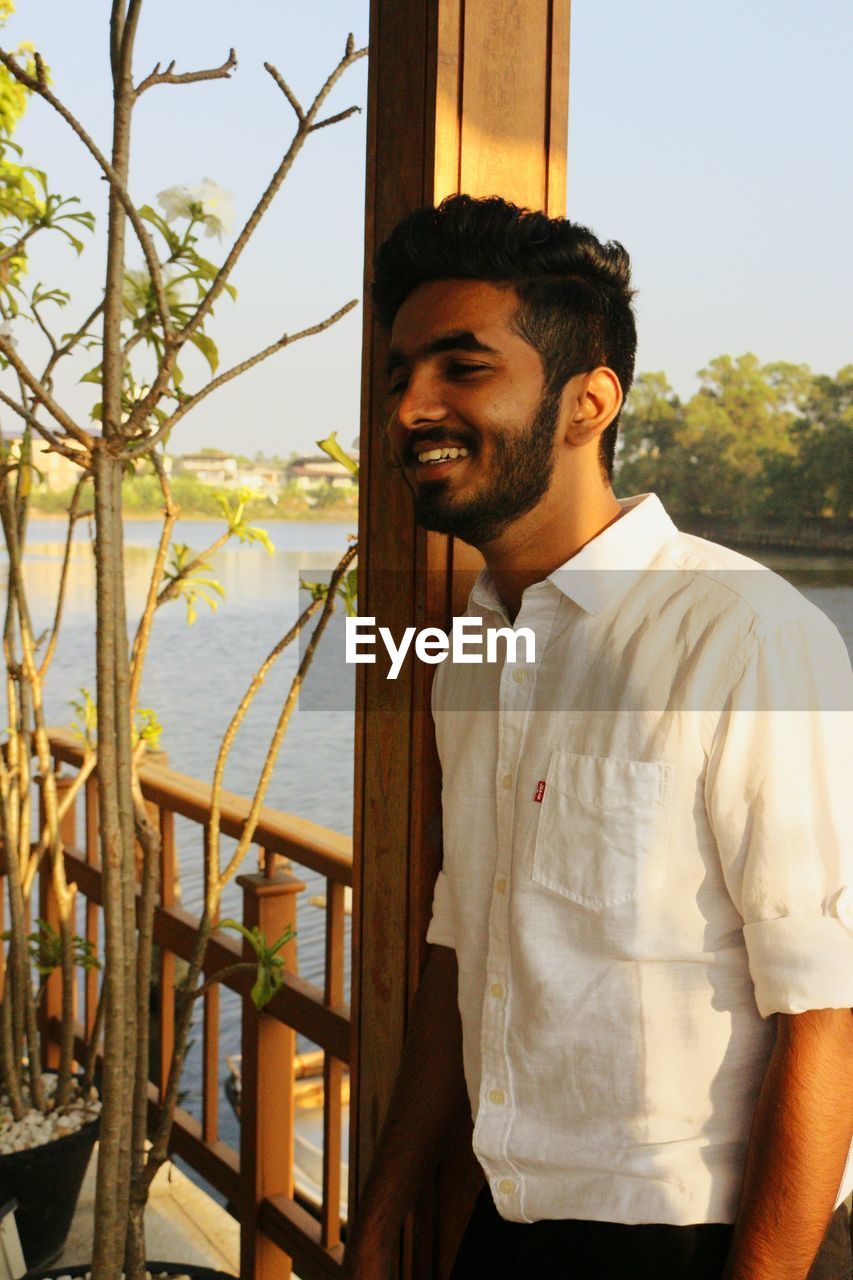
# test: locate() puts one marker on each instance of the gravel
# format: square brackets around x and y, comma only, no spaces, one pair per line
[36,1128]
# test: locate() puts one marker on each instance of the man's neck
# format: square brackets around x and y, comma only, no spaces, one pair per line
[534,546]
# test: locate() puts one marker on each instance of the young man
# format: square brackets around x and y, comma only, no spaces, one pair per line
[642,967]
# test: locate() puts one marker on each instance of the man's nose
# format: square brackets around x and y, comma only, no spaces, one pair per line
[420,402]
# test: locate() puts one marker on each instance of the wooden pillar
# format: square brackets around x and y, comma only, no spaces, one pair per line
[464,95]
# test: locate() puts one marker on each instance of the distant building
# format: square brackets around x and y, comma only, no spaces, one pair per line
[265,477]
[223,471]
[319,470]
[213,467]
[56,472]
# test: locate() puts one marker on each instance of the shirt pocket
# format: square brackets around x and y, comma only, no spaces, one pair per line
[603,828]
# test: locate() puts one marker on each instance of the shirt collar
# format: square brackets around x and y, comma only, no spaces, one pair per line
[605,567]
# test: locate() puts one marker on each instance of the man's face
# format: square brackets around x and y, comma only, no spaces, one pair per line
[462,379]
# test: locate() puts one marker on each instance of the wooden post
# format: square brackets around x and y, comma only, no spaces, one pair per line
[464,95]
[266,1148]
[50,1006]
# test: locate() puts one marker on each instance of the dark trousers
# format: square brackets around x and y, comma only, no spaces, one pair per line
[494,1249]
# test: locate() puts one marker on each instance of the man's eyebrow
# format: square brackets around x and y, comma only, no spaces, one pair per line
[457,340]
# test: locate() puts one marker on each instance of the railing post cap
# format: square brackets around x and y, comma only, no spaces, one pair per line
[259,886]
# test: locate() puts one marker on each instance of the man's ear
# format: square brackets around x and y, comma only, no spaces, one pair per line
[596,400]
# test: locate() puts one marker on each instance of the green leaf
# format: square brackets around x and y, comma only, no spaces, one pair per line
[333,449]
[208,349]
[77,245]
[229,923]
[262,991]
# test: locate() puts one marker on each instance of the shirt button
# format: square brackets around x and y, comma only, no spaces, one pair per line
[506,1186]
[519,675]
[497,1097]
[496,990]
[500,884]
[506,781]
[844,907]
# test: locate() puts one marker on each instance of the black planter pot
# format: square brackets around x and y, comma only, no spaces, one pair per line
[46,1182]
[161,1268]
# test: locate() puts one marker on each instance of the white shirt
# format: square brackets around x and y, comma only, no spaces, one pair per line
[685,871]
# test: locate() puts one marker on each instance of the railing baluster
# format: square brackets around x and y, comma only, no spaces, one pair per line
[210,1046]
[333,1070]
[167,959]
[50,1004]
[266,1150]
[93,858]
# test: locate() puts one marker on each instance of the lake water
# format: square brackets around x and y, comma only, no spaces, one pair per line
[196,675]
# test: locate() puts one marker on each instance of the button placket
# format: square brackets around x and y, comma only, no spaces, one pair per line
[494,1118]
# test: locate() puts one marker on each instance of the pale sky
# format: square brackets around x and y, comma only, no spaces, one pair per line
[711,139]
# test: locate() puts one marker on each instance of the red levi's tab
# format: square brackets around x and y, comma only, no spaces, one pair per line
[540,790]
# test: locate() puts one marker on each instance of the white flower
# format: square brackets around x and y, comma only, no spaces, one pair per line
[175,202]
[138,291]
[208,201]
[7,335]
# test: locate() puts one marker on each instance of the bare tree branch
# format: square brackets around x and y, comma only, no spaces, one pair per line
[144,407]
[286,90]
[307,658]
[54,345]
[38,84]
[14,249]
[71,342]
[276,182]
[79,456]
[147,444]
[128,35]
[143,631]
[42,395]
[342,115]
[187,77]
[73,516]
[116,32]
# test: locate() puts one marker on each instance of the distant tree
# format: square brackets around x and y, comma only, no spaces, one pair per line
[818,480]
[648,435]
[733,451]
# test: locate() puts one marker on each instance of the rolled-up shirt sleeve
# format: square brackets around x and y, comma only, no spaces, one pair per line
[440,929]
[779,797]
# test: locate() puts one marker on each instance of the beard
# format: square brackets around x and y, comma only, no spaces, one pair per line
[521,472]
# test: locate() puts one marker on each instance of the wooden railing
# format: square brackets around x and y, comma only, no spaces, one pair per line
[277,1226]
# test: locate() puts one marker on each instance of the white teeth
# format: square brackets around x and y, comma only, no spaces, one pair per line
[437,455]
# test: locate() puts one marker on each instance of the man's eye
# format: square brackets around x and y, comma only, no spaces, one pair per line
[397,388]
[459,370]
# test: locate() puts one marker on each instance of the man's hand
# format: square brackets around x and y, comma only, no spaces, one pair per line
[800,1139]
[427,1104]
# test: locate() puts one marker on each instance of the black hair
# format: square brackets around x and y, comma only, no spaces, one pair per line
[574,291]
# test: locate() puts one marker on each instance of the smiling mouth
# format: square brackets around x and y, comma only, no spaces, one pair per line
[437,462]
